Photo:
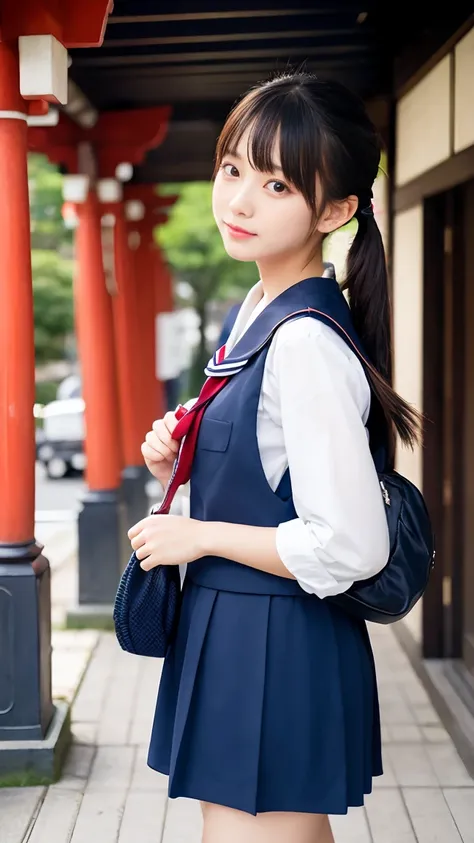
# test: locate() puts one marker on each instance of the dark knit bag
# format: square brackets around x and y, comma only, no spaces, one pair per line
[147,603]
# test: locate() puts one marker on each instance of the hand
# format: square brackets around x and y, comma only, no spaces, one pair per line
[160,450]
[166,540]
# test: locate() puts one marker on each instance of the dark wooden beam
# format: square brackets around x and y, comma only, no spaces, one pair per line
[109,75]
[210,55]
[228,37]
[433,365]
[237,14]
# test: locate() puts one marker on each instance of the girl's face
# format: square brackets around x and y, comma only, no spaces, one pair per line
[274,214]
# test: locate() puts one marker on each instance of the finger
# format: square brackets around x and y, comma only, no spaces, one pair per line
[142,552]
[137,528]
[161,447]
[138,541]
[163,434]
[150,454]
[170,421]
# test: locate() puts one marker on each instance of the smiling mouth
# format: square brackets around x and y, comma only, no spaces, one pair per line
[238,230]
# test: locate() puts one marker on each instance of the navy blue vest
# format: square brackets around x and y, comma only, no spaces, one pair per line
[228,482]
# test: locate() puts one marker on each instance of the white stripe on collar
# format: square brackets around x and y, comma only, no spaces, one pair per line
[217,367]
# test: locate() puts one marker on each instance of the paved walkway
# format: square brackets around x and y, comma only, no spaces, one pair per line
[108,795]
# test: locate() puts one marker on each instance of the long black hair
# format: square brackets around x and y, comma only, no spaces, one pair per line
[324,129]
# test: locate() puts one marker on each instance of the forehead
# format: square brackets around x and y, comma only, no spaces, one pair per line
[242,148]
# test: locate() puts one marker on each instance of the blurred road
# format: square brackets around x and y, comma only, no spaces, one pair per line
[57,506]
[57,496]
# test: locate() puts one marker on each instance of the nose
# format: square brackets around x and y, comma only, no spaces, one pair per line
[241,203]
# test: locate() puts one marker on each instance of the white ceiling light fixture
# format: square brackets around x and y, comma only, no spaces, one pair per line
[75,187]
[124,171]
[134,210]
[109,190]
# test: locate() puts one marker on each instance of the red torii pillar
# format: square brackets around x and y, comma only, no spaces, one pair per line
[144,210]
[34,733]
[164,310]
[102,520]
[133,133]
[117,137]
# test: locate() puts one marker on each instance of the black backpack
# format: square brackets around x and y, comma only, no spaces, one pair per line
[389,595]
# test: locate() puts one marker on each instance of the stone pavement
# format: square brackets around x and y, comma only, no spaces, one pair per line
[108,795]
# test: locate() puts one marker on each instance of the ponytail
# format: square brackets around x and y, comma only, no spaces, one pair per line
[367,284]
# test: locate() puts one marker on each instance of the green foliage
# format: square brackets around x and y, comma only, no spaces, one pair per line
[53,304]
[52,268]
[47,227]
[46,391]
[194,250]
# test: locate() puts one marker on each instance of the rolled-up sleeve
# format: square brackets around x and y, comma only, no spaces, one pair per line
[341,533]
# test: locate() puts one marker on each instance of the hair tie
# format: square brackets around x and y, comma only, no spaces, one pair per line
[368,211]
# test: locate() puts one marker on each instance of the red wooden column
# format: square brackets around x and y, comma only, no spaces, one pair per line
[164,310]
[17,356]
[102,519]
[26,707]
[164,299]
[129,352]
[144,209]
[143,252]
[128,342]
[96,351]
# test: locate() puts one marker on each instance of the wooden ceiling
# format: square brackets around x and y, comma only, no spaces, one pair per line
[199,55]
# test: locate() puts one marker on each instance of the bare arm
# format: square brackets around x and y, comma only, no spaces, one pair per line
[251,546]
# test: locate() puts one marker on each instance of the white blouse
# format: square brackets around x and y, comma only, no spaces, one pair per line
[314,403]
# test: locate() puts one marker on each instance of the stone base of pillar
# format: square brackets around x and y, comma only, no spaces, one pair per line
[37,762]
[91,617]
[33,734]
[104,550]
[134,480]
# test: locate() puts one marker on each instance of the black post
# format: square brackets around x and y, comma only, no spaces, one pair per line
[34,733]
[104,550]
[134,479]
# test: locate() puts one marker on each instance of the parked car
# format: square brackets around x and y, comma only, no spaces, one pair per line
[60,442]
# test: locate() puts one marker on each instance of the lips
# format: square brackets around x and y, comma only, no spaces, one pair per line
[239,230]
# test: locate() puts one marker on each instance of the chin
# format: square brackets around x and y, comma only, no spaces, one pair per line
[240,251]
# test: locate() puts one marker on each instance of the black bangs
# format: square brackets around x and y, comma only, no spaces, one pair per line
[277,111]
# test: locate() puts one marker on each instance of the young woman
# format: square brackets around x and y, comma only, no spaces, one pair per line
[267,710]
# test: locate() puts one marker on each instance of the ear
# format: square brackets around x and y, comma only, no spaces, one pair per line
[337,214]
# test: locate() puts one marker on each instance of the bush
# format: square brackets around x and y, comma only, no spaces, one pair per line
[46,391]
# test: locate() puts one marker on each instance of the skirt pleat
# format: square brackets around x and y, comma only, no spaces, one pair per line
[267,703]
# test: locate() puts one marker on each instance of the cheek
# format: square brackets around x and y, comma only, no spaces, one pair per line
[221,193]
[216,198]
[288,224]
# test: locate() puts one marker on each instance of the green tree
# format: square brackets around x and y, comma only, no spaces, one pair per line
[51,258]
[45,185]
[194,250]
[53,303]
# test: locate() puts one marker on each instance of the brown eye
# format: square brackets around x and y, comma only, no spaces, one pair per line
[230,170]
[279,187]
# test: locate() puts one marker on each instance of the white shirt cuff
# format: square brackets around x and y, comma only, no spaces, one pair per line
[295,548]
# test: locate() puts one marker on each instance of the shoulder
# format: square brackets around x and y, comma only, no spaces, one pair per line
[322,355]
[308,333]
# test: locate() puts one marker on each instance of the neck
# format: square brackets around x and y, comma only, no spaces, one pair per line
[278,275]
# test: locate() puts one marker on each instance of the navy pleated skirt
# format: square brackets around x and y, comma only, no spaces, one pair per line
[267,703]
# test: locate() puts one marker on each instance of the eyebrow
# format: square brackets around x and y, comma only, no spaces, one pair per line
[274,168]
